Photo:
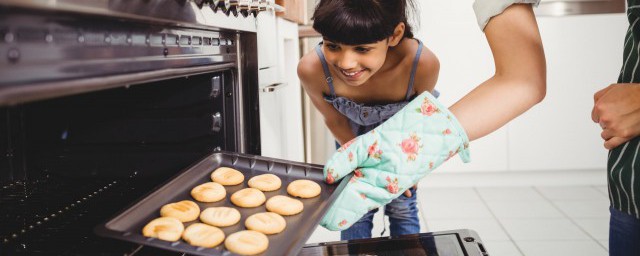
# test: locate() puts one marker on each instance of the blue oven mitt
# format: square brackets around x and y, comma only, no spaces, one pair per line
[391,158]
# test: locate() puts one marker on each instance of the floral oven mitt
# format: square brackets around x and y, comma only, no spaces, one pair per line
[391,158]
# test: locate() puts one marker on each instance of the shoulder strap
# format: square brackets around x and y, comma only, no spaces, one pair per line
[325,67]
[413,69]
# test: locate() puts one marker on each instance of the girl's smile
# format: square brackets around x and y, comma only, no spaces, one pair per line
[352,75]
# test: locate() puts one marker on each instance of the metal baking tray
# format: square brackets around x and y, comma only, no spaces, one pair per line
[127,225]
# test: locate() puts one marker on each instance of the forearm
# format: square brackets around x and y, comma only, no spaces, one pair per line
[494,103]
[341,130]
[520,79]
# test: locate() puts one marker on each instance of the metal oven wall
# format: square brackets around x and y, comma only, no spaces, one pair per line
[152,128]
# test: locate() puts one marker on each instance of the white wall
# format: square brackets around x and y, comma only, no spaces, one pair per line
[584,54]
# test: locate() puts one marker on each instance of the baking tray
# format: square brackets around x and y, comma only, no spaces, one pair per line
[127,225]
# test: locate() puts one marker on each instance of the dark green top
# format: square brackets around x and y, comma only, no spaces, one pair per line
[623,165]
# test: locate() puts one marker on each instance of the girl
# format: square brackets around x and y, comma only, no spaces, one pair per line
[369,66]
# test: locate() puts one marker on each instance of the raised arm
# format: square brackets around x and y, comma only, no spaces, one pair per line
[520,78]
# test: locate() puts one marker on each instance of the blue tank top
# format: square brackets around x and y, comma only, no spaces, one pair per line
[362,117]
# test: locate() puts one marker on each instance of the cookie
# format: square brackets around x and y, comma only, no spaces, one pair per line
[203,235]
[164,228]
[265,182]
[303,189]
[220,216]
[184,211]
[267,223]
[284,205]
[247,242]
[227,176]
[248,197]
[209,192]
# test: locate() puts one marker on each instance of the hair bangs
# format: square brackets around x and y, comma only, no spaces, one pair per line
[352,24]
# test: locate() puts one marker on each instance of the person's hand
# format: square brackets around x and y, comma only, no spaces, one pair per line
[391,158]
[407,192]
[617,110]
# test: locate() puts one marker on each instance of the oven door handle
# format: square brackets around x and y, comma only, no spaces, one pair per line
[273,87]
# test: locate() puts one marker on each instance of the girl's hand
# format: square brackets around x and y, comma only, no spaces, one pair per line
[407,192]
[617,109]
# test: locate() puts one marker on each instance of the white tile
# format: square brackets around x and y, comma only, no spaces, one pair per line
[514,209]
[447,194]
[604,243]
[510,194]
[454,210]
[584,208]
[323,235]
[542,229]
[561,248]
[487,229]
[598,228]
[501,248]
[571,193]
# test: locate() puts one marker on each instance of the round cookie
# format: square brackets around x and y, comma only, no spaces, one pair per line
[164,228]
[203,235]
[284,205]
[227,176]
[303,188]
[248,197]
[184,211]
[220,216]
[247,242]
[209,192]
[267,223]
[265,182]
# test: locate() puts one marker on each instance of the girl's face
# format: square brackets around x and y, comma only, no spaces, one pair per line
[355,64]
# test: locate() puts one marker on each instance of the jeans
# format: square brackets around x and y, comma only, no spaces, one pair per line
[624,234]
[403,218]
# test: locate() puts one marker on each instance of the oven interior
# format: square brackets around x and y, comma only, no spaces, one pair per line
[70,163]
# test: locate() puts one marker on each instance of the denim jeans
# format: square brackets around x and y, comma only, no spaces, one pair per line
[403,218]
[624,234]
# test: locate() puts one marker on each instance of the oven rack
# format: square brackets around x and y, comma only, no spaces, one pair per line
[48,216]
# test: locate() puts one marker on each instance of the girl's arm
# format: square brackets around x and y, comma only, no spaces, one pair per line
[337,123]
[520,78]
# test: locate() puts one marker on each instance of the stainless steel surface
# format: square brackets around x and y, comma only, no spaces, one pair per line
[216,86]
[241,102]
[217,122]
[212,13]
[53,89]
[66,47]
[575,7]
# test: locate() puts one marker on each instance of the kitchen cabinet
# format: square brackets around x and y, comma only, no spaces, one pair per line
[281,128]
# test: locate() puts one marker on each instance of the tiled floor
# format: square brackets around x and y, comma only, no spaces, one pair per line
[515,221]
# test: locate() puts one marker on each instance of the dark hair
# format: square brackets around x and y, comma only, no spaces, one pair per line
[361,21]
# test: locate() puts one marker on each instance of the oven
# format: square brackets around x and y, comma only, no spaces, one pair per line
[103,100]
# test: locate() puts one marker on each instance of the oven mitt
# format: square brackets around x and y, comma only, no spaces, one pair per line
[391,158]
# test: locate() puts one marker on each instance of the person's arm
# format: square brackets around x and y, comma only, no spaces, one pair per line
[519,81]
[337,123]
[617,110]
